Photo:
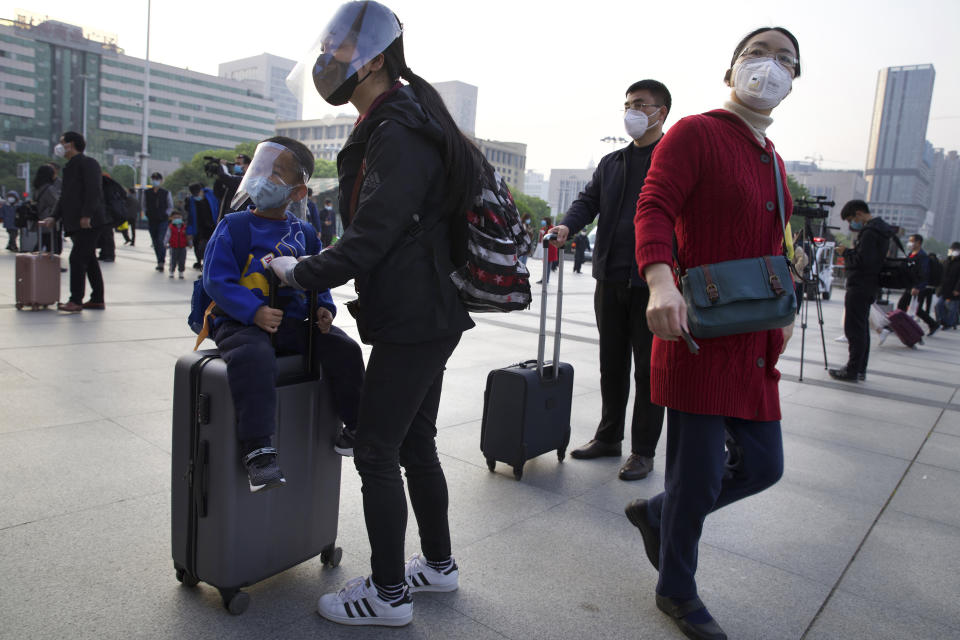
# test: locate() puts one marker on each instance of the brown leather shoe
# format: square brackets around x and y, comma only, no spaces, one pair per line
[90,304]
[69,307]
[596,449]
[636,467]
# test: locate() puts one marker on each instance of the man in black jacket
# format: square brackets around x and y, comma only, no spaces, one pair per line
[915,250]
[949,290]
[862,263]
[81,210]
[621,296]
[157,205]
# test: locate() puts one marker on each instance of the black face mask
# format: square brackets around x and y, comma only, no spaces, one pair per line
[332,73]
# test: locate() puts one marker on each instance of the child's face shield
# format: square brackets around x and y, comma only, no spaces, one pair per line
[274,179]
[356,34]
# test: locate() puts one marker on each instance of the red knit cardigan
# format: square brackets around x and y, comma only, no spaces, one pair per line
[713,184]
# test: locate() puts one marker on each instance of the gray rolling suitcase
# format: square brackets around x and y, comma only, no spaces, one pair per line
[526,406]
[223,534]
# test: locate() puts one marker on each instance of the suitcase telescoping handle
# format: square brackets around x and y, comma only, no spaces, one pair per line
[543,309]
[274,283]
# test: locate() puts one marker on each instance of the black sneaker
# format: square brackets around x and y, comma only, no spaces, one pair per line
[344,442]
[843,374]
[263,470]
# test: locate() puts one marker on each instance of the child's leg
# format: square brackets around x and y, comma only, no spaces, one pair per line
[173,259]
[341,360]
[182,259]
[251,372]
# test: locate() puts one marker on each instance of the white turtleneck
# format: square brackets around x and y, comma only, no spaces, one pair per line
[757,122]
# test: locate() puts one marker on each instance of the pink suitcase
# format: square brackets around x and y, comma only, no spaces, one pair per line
[37,280]
[905,327]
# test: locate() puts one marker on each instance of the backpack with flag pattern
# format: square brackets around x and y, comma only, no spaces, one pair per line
[494,278]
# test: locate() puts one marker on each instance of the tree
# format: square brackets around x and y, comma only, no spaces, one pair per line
[123,174]
[8,168]
[192,171]
[530,206]
[324,168]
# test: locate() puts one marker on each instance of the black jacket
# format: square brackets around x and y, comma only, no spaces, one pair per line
[81,195]
[863,262]
[951,279]
[603,196]
[397,245]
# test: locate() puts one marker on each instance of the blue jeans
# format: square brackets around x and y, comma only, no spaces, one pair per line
[947,311]
[712,461]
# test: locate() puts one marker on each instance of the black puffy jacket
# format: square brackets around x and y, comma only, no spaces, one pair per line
[863,262]
[81,194]
[397,244]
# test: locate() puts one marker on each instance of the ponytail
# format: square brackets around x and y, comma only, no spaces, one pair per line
[461,158]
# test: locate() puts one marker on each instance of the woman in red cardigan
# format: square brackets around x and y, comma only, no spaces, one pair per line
[712,184]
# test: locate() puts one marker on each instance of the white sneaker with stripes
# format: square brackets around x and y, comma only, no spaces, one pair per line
[358,604]
[420,576]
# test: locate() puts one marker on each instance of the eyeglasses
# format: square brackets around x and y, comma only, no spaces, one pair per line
[785,59]
[636,105]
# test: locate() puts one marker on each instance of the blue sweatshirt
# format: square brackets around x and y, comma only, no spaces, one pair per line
[240,289]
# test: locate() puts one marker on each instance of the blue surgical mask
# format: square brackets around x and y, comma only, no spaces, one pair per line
[266,194]
[198,198]
[856,226]
[155,183]
[238,169]
[177,222]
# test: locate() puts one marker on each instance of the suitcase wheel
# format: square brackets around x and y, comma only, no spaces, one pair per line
[491,464]
[187,579]
[331,556]
[561,454]
[235,601]
[518,472]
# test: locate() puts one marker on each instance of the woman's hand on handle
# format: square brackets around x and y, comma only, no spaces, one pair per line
[667,310]
[562,232]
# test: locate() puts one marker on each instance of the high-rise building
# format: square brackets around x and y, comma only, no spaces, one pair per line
[267,75]
[945,196]
[536,185]
[324,137]
[460,99]
[508,158]
[899,158]
[58,77]
[565,186]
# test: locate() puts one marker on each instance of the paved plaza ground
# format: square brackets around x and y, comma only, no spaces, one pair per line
[860,539]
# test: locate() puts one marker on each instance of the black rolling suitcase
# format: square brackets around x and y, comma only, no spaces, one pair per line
[526,406]
[223,534]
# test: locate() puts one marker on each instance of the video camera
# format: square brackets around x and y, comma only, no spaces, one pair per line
[213,166]
[813,208]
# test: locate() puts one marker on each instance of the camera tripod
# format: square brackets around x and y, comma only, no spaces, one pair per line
[810,281]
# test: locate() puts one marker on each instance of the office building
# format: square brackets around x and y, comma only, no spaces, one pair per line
[945,196]
[58,77]
[536,185]
[836,186]
[267,75]
[509,158]
[460,99]
[899,159]
[565,186]
[324,137]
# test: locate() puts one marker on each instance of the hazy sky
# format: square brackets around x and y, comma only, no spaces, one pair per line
[554,77]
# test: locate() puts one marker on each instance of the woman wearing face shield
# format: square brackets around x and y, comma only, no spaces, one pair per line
[712,184]
[407,175]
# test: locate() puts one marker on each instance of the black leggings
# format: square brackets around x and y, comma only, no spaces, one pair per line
[397,426]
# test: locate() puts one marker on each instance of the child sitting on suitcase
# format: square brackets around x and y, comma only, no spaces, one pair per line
[235,278]
[177,241]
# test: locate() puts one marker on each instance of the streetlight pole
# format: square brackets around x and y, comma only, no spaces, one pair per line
[84,78]
[145,137]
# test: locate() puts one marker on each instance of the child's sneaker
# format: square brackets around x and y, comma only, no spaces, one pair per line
[359,604]
[263,470]
[171,274]
[344,442]
[420,576]
[181,275]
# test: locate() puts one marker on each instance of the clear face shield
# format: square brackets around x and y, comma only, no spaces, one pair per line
[357,33]
[274,179]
